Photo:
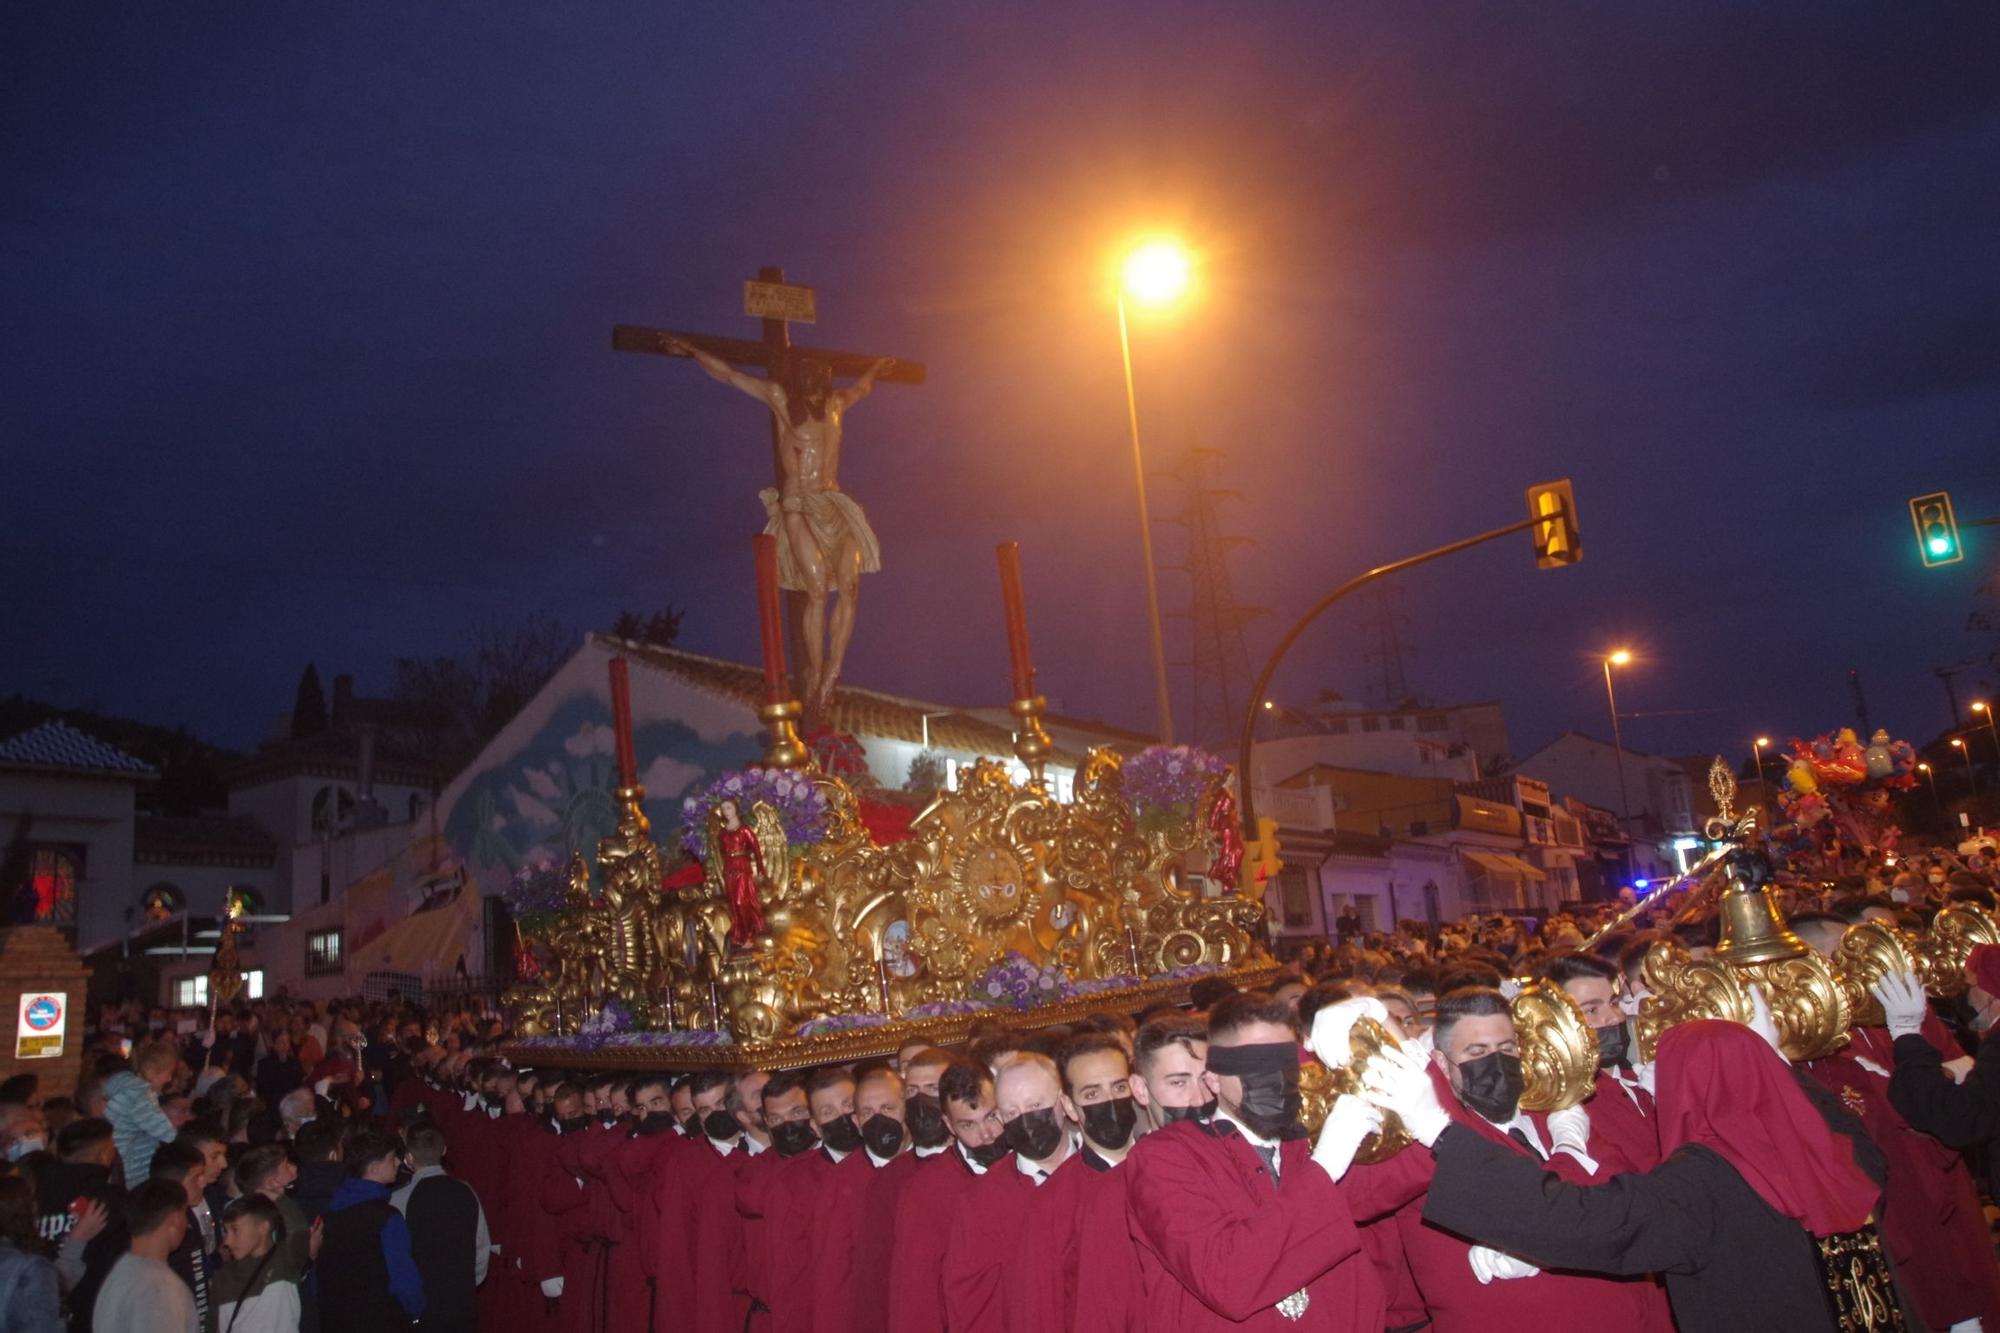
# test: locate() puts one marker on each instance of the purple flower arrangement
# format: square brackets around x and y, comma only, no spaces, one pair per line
[612,1019]
[1016,983]
[1186,971]
[815,1027]
[1165,783]
[1097,986]
[537,895]
[948,1008]
[796,797]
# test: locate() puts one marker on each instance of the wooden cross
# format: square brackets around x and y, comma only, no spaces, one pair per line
[765,355]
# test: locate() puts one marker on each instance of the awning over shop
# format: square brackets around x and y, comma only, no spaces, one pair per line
[1499,863]
[1520,867]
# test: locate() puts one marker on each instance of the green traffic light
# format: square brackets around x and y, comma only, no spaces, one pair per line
[1940,546]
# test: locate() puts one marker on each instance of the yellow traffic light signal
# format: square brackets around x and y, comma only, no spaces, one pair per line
[1260,860]
[1552,505]
[1937,529]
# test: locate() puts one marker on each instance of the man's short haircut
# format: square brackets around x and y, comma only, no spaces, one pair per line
[783,1083]
[1106,1023]
[1088,1043]
[255,1168]
[1319,997]
[565,1089]
[826,1076]
[80,1136]
[153,1054]
[317,1140]
[1468,1002]
[426,1143]
[175,1161]
[966,1081]
[257,1208]
[929,1057]
[708,1080]
[878,1074]
[664,1082]
[1242,1009]
[367,1148]
[988,1050]
[1469,976]
[1173,1030]
[152,1204]
[1567,967]
[199,1132]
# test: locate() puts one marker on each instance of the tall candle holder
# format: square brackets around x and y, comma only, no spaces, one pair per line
[783,748]
[1032,745]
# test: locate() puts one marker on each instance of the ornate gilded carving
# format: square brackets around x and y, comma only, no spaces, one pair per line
[990,869]
[1948,944]
[1558,1048]
[1321,1087]
[1868,952]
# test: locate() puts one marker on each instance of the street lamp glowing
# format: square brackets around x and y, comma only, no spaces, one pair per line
[1978,705]
[1957,744]
[1763,741]
[1268,705]
[1621,657]
[1923,768]
[1157,273]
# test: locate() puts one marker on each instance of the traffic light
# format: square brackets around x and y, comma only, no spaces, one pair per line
[1937,529]
[1552,505]
[1260,860]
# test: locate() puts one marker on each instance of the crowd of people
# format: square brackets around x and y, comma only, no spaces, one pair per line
[377,1165]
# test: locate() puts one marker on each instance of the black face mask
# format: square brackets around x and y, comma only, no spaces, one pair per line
[841,1134]
[720,1125]
[685,1123]
[926,1120]
[1271,1103]
[655,1122]
[792,1137]
[883,1134]
[1173,1115]
[1035,1134]
[1109,1123]
[1491,1086]
[988,1155]
[576,1124]
[1614,1046]
[607,1119]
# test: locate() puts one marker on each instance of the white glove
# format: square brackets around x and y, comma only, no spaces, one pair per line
[552,1287]
[1763,1024]
[1351,1120]
[1903,1003]
[1569,1131]
[1511,987]
[1398,1081]
[1488,1265]
[1645,1074]
[1328,1039]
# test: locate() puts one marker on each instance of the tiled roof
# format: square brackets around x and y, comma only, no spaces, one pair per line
[56,744]
[158,838]
[854,711]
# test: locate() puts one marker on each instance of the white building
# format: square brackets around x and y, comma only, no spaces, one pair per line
[1650,794]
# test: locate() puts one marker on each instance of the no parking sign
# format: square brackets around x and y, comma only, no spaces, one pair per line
[39,1035]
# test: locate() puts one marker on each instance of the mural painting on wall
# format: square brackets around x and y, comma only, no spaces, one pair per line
[553,796]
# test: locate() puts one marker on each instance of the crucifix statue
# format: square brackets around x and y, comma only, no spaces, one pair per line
[824,542]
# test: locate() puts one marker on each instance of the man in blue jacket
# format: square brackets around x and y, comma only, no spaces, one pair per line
[368,1278]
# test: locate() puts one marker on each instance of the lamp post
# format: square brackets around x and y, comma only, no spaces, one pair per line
[1979,706]
[1155,274]
[1936,800]
[1757,752]
[1618,658]
[1971,773]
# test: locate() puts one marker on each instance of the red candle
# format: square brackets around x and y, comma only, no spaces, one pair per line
[621,723]
[771,617]
[1019,658]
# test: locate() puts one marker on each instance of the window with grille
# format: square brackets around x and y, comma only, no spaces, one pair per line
[324,953]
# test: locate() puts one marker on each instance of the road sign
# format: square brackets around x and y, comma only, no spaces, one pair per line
[39,1034]
[780,300]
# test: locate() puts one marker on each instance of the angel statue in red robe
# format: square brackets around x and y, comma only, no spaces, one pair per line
[741,856]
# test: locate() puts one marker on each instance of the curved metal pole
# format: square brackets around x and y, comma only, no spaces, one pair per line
[1243,780]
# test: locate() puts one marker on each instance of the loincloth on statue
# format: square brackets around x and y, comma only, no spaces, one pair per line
[835,521]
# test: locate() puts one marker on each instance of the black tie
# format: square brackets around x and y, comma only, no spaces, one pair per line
[1520,1136]
[1269,1152]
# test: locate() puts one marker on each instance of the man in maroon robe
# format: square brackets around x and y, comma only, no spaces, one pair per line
[930,1200]
[769,1186]
[855,1234]
[618,1167]
[1235,1223]
[989,1282]
[696,1242]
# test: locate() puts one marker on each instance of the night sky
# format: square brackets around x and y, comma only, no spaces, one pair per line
[307,347]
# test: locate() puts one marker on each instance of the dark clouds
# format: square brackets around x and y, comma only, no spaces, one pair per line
[308,348]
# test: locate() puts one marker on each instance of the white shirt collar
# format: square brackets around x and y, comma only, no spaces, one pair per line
[1522,1122]
[873,1160]
[1040,1174]
[724,1148]
[1251,1136]
[966,1157]
[754,1145]
[932,1152]
[836,1154]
